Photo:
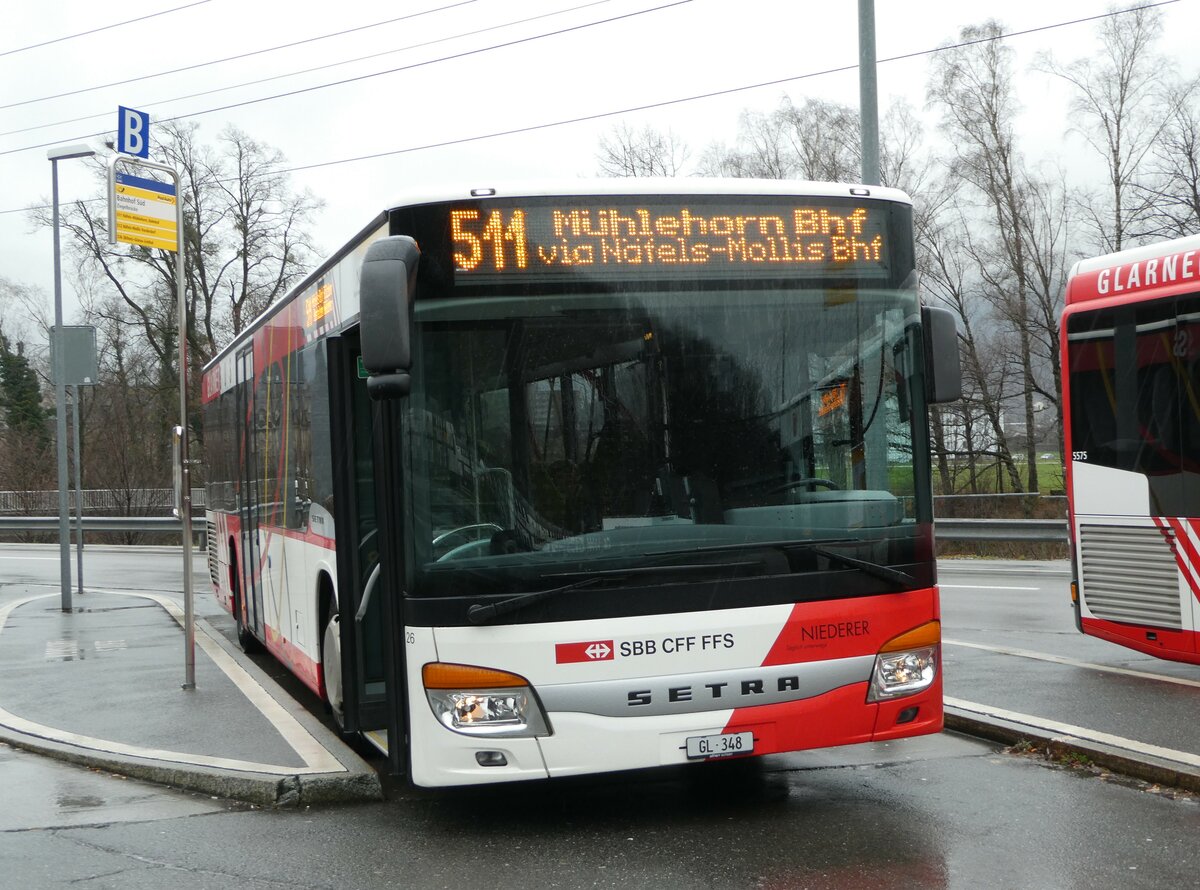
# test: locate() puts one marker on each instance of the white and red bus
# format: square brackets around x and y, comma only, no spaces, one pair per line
[1131,392]
[538,483]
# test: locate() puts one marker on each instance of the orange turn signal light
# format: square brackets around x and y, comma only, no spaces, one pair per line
[437,675]
[928,634]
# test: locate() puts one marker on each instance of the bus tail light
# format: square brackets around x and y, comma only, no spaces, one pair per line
[906,664]
[482,701]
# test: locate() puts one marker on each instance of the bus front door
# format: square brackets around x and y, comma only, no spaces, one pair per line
[248,599]
[368,602]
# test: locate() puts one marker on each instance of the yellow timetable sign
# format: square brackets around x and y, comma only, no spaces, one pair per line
[145,212]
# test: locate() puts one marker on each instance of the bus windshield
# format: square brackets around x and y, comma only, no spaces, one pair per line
[556,433]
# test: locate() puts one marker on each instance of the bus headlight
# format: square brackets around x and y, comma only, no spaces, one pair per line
[482,701]
[907,663]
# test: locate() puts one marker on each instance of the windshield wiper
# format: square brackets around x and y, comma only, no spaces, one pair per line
[884,573]
[483,614]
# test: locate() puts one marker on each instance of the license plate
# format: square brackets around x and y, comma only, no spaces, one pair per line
[724,745]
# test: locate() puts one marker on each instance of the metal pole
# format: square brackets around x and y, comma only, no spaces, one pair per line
[185,499]
[868,92]
[60,409]
[78,497]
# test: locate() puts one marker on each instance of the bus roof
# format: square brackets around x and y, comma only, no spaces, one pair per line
[1164,267]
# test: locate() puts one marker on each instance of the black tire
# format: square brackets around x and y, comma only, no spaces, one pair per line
[245,636]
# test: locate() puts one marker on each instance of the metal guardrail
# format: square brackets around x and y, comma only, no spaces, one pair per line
[1052,530]
[159,524]
[945,529]
[166,524]
[95,500]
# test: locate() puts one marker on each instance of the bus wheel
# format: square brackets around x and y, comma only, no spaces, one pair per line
[331,667]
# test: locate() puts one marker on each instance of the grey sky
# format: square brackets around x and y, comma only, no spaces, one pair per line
[685,49]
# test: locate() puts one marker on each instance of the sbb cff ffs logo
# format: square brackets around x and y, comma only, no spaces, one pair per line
[590,650]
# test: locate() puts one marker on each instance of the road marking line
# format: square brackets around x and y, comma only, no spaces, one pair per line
[314,755]
[46,558]
[1069,733]
[1058,659]
[982,587]
[62,650]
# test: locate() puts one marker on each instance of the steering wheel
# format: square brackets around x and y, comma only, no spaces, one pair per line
[466,551]
[806,482]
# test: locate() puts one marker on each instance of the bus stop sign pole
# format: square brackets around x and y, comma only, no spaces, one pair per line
[139,212]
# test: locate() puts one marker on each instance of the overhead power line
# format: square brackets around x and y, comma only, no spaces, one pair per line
[246,55]
[462,55]
[711,95]
[141,18]
[669,102]
[248,83]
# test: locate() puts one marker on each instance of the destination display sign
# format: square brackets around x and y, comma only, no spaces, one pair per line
[145,212]
[536,239]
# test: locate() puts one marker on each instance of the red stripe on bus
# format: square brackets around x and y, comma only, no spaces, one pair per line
[1186,556]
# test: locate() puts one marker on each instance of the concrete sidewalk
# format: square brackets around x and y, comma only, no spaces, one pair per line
[102,686]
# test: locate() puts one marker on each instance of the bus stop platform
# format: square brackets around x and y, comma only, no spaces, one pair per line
[102,686]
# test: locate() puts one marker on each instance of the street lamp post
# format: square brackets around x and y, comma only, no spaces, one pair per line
[60,387]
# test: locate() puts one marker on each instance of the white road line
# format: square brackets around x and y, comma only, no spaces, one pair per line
[1058,659]
[22,558]
[982,587]
[1068,733]
[316,758]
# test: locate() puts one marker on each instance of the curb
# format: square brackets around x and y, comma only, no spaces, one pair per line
[1145,767]
[359,782]
[265,791]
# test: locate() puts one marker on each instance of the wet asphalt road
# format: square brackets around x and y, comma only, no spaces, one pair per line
[1009,641]
[945,811]
[942,812]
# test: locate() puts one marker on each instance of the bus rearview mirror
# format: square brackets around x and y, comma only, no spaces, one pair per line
[386,290]
[943,374]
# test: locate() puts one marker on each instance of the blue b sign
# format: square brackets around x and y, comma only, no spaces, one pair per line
[133,132]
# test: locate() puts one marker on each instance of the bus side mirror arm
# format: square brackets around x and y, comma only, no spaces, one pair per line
[386,291]
[943,374]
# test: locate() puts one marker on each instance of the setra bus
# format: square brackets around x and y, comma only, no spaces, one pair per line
[537,483]
[1131,399]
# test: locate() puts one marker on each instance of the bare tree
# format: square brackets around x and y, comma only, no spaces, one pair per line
[1118,106]
[949,276]
[766,143]
[1171,187]
[246,242]
[972,85]
[721,159]
[815,140]
[903,161]
[625,152]
[1049,228]
[824,138]
[762,151]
